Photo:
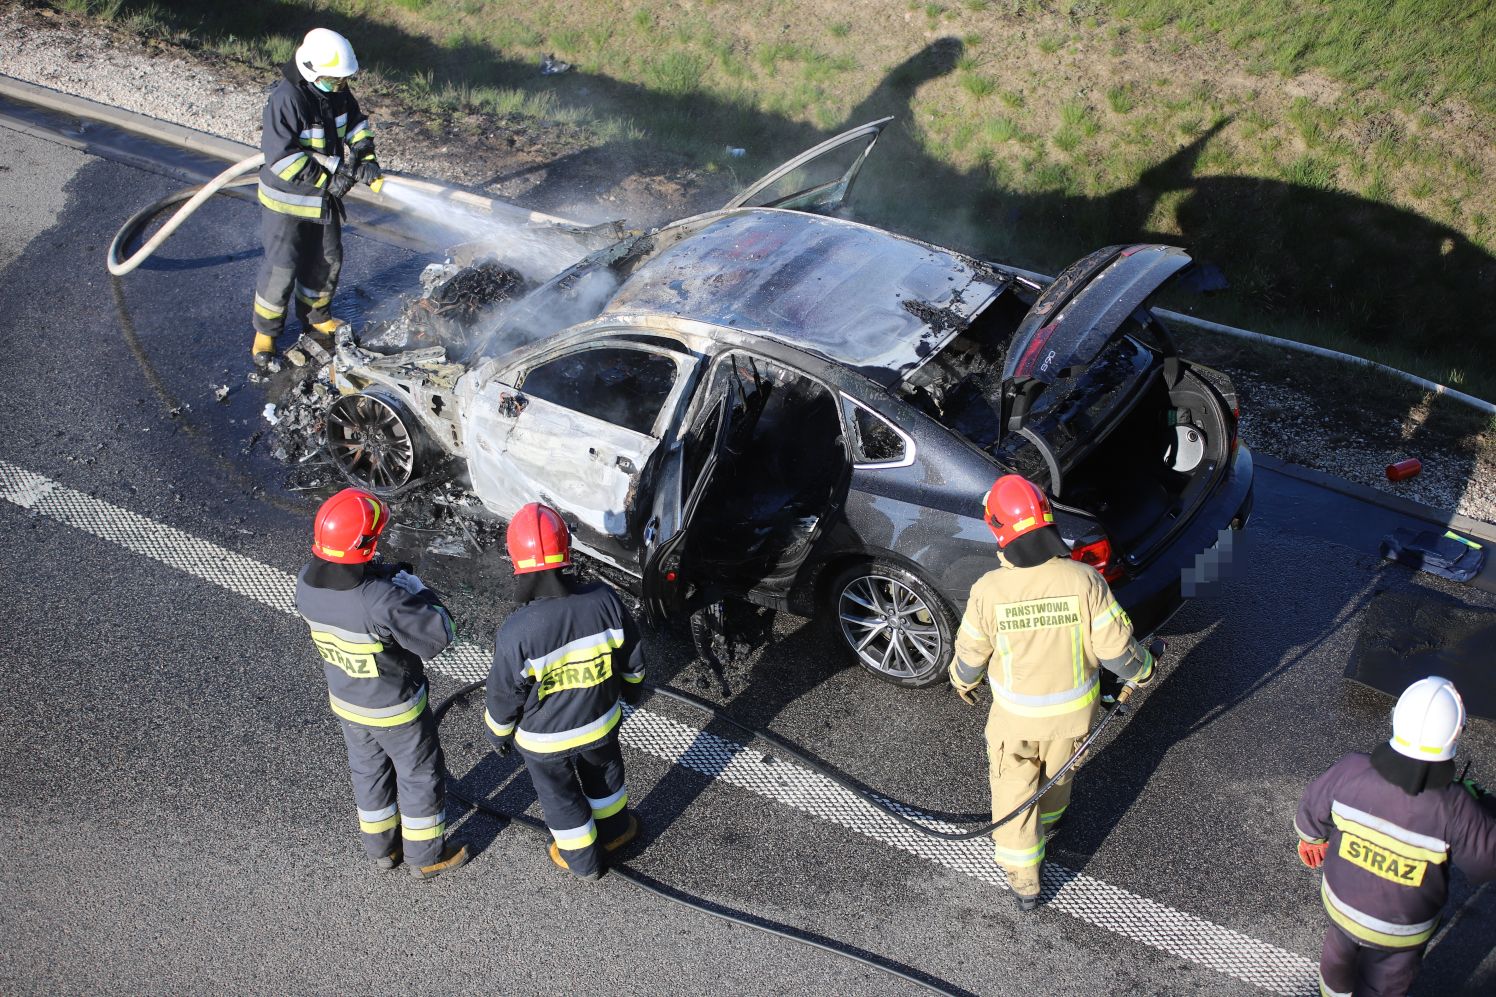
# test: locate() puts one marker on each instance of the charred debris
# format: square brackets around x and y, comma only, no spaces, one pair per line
[455,309]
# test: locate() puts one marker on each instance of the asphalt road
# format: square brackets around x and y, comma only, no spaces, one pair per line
[178,806]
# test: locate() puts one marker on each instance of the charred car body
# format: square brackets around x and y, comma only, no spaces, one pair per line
[777,404]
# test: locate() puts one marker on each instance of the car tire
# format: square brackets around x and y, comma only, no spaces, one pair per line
[893,622]
[375,441]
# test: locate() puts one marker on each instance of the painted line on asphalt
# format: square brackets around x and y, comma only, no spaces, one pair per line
[1083,897]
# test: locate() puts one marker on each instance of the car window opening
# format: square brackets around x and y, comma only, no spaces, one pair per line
[781,458]
[877,441]
[620,386]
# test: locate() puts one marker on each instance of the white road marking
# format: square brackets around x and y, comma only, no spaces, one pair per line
[1110,908]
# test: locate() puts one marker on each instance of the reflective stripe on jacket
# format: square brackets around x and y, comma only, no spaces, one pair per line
[557,670]
[1039,635]
[1386,871]
[372,638]
[303,138]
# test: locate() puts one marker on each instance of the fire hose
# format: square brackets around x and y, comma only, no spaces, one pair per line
[194,196]
[884,804]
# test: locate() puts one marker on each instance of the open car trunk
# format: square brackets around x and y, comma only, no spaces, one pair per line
[1084,395]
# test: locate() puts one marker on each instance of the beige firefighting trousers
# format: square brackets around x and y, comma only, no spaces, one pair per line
[1016,769]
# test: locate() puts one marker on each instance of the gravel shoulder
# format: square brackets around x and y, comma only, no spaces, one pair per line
[1336,418]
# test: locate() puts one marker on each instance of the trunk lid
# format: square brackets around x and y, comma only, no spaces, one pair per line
[1085,308]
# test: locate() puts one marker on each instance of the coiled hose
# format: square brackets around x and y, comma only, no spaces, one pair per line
[194,196]
[888,806]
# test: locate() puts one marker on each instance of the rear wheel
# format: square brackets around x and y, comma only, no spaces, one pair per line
[375,442]
[893,622]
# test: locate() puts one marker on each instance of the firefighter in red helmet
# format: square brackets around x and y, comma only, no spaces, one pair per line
[1037,629]
[564,664]
[373,625]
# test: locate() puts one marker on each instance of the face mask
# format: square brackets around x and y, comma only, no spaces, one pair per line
[327,84]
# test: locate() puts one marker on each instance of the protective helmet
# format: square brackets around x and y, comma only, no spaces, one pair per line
[538,540]
[1015,506]
[348,526]
[1427,720]
[325,53]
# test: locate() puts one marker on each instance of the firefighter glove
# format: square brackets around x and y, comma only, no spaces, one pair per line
[968,696]
[502,745]
[368,172]
[1313,855]
[409,582]
[342,181]
[1474,788]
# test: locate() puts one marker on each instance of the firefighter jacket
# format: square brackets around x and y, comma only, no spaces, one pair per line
[559,667]
[1039,634]
[303,138]
[372,636]
[1386,871]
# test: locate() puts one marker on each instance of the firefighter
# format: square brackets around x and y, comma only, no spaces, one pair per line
[374,624]
[564,663]
[1385,827]
[1037,628]
[317,145]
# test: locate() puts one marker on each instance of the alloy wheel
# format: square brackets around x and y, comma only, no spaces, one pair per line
[368,439]
[889,626]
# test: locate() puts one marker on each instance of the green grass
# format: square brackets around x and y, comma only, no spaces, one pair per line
[977,85]
[1415,50]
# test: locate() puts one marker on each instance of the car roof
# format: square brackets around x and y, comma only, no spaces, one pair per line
[866,298]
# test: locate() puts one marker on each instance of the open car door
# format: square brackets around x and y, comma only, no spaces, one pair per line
[818,180]
[746,491]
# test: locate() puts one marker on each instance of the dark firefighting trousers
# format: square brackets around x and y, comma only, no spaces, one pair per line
[584,798]
[1346,967]
[399,783]
[301,257]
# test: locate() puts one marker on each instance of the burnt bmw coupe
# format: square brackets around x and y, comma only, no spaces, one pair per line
[774,403]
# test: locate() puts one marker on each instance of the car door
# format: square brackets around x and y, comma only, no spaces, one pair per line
[576,430]
[818,180]
[726,521]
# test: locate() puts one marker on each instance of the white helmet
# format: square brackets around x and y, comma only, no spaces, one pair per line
[325,53]
[1427,720]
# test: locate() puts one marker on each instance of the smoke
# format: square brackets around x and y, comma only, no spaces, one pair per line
[536,250]
[544,313]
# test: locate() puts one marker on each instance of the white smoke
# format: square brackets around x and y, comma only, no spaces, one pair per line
[537,250]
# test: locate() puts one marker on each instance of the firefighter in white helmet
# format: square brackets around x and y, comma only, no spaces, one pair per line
[1385,828]
[1038,629]
[317,145]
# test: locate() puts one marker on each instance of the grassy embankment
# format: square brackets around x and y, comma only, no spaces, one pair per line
[1334,161]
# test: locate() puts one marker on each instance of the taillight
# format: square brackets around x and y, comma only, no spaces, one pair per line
[1098,554]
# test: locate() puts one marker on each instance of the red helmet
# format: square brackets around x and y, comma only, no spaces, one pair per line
[1013,507]
[348,526]
[538,540]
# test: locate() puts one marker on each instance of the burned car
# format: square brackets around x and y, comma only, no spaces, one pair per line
[773,403]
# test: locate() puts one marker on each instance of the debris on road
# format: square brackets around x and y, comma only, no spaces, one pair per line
[270,415]
[221,392]
[552,66]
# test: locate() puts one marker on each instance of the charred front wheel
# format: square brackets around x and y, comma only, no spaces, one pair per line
[894,623]
[374,441]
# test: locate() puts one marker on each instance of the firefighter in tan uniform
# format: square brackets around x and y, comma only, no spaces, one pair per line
[1038,628]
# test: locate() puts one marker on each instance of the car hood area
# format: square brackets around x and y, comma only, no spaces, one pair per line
[873,301]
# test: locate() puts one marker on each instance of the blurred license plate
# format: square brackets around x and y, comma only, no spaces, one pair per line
[1212,565]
